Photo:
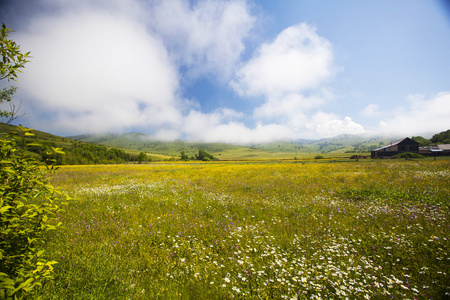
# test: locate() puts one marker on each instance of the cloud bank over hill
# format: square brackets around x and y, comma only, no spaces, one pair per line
[104,66]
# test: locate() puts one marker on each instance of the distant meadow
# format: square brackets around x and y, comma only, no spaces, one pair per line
[253,230]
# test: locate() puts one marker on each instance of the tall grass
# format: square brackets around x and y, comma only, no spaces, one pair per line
[254,231]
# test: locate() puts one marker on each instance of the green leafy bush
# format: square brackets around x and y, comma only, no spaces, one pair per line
[28,210]
[319,157]
[203,155]
[28,203]
[408,155]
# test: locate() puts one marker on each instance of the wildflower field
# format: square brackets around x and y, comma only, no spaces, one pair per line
[255,230]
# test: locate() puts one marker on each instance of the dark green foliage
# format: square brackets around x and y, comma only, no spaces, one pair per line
[441,138]
[11,63]
[28,209]
[319,157]
[408,155]
[76,153]
[28,202]
[141,157]
[12,59]
[83,153]
[421,140]
[80,154]
[203,155]
[184,156]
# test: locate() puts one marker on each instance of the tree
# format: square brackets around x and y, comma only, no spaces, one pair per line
[141,157]
[441,138]
[28,202]
[12,61]
[421,140]
[203,155]
[184,156]
[6,96]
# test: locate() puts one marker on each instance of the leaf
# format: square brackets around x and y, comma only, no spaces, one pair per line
[24,285]
[39,254]
[5,208]
[9,170]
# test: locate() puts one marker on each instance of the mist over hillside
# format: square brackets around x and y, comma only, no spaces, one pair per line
[129,145]
[341,144]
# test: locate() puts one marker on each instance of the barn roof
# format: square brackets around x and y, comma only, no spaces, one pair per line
[392,144]
[444,147]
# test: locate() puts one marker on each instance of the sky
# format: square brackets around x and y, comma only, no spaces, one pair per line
[237,71]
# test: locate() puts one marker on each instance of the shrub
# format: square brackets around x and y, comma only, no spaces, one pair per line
[408,155]
[28,208]
[203,154]
[319,157]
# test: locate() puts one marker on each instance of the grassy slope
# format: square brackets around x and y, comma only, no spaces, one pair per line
[134,143]
[66,142]
[334,147]
[40,136]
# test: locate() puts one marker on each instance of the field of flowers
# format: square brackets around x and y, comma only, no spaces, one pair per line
[261,230]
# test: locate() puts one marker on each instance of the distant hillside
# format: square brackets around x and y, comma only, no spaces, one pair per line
[299,148]
[120,148]
[142,142]
[349,143]
[76,152]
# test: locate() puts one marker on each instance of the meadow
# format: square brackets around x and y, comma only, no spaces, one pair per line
[253,230]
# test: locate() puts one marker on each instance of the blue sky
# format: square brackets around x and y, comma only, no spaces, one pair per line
[234,71]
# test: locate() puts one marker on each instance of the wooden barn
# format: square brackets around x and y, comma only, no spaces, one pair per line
[396,147]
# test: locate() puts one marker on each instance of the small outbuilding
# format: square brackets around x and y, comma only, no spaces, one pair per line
[396,147]
[435,150]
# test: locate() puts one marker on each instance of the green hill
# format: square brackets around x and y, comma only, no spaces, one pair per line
[342,145]
[142,142]
[76,152]
[119,148]
[337,145]
[348,143]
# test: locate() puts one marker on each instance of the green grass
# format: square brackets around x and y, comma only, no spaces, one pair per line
[254,230]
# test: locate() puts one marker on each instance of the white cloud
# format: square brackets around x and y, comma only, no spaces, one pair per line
[95,70]
[297,60]
[103,66]
[371,110]
[114,65]
[328,125]
[289,107]
[289,74]
[214,128]
[206,36]
[419,116]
